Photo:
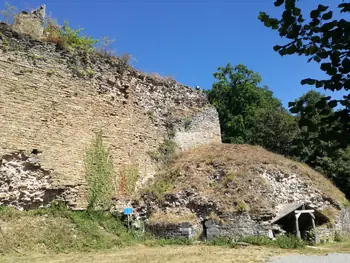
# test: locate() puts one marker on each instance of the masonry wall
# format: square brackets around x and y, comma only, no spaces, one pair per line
[52,102]
[171,231]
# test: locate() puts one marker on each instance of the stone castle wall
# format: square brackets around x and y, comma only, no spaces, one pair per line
[52,103]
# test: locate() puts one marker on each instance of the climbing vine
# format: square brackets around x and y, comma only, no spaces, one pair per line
[99,174]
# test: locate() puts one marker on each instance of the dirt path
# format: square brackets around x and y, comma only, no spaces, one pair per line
[174,254]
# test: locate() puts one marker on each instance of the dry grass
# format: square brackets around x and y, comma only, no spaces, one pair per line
[175,254]
[343,246]
[229,175]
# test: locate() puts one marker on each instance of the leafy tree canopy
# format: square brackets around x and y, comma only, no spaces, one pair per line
[248,112]
[325,40]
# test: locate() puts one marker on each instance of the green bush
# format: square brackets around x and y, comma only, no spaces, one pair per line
[75,39]
[100,175]
[69,38]
[289,241]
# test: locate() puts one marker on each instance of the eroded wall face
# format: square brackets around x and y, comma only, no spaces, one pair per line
[54,102]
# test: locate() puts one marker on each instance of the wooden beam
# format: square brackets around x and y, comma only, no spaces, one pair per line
[297,225]
[304,211]
[312,215]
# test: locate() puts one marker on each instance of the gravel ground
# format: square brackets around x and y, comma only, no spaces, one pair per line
[330,258]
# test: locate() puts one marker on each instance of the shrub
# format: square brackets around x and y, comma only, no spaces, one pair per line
[68,38]
[282,241]
[289,241]
[338,237]
[99,174]
[105,47]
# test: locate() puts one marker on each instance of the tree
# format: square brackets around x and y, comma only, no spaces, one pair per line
[248,112]
[338,169]
[308,147]
[326,41]
[323,156]
[274,129]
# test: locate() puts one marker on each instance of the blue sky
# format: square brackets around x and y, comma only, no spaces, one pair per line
[189,39]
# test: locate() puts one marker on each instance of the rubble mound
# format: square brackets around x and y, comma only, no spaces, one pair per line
[219,180]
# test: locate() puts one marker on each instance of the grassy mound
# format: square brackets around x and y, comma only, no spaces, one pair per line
[229,175]
[58,229]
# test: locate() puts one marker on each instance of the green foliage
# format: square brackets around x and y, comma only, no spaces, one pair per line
[325,41]
[289,241]
[338,237]
[311,147]
[187,123]
[241,206]
[9,13]
[99,174]
[73,38]
[248,112]
[162,183]
[282,241]
[221,241]
[165,153]
[68,38]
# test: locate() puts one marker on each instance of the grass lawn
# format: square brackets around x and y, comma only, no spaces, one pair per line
[143,254]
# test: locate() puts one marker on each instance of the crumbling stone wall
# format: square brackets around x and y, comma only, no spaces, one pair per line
[289,187]
[30,23]
[197,129]
[171,231]
[55,101]
[24,184]
[343,221]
